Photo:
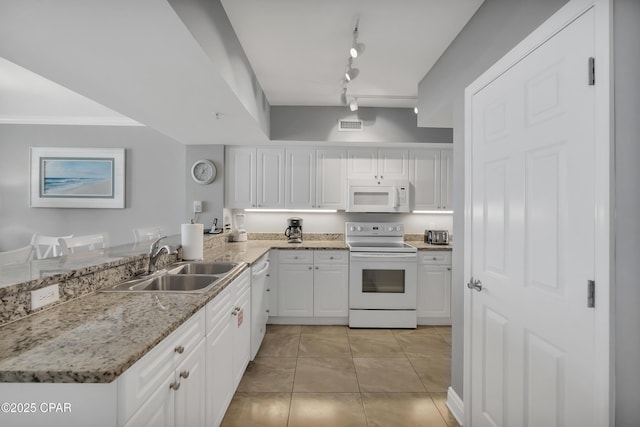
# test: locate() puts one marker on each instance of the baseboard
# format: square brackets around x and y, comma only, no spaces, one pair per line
[455,405]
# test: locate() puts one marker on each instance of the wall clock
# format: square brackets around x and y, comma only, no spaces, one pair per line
[203,171]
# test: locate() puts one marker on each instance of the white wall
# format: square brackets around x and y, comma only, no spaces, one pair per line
[154,183]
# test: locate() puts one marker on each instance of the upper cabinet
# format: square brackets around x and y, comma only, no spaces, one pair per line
[291,178]
[430,176]
[254,177]
[380,164]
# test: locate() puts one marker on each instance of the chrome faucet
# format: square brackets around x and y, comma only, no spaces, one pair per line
[156,250]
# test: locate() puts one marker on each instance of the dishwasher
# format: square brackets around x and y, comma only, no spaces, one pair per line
[259,302]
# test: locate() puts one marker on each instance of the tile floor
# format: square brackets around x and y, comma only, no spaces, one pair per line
[333,376]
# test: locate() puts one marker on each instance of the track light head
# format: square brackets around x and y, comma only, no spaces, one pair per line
[356,49]
[353,104]
[351,74]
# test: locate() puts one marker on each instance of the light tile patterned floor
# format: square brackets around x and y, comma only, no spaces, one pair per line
[335,376]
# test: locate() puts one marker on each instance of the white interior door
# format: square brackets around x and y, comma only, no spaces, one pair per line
[533,222]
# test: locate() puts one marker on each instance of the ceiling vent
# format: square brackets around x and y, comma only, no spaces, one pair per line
[350,126]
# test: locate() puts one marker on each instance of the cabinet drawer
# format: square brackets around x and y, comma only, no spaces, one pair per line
[330,257]
[149,374]
[296,257]
[435,257]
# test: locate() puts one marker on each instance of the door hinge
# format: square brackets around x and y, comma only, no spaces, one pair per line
[591,293]
[592,71]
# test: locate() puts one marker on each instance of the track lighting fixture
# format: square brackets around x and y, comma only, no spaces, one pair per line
[343,96]
[356,48]
[351,73]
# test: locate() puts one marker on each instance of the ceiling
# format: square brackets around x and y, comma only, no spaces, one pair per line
[175,65]
[299,48]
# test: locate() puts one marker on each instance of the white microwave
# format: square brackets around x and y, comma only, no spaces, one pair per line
[378,196]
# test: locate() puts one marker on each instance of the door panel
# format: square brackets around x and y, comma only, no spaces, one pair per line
[532,238]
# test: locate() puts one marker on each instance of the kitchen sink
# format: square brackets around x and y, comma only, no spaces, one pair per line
[202,267]
[183,277]
[167,283]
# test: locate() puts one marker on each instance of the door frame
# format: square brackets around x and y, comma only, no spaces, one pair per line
[604,194]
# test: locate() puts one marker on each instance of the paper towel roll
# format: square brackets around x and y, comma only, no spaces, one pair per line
[192,241]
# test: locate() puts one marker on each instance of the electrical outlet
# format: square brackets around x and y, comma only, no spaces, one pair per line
[197,206]
[44,296]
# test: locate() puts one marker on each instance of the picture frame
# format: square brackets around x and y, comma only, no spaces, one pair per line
[69,177]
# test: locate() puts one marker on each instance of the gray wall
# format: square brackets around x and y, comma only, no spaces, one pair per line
[211,195]
[155,183]
[496,28]
[380,125]
[627,225]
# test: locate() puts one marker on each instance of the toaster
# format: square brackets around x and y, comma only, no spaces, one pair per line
[436,237]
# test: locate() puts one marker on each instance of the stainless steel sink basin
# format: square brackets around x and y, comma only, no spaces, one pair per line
[202,267]
[167,283]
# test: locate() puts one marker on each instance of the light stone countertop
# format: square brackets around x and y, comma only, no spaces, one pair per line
[94,339]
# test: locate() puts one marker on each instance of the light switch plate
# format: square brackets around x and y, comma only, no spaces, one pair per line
[197,206]
[44,296]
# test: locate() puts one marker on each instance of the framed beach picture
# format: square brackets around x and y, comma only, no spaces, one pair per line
[77,177]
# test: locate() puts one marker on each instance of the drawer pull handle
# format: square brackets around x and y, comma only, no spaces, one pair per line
[184,374]
[235,311]
[317,268]
[434,258]
[179,349]
[330,257]
[174,385]
[268,311]
[268,290]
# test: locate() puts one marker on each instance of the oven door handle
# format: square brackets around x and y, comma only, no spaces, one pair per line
[384,255]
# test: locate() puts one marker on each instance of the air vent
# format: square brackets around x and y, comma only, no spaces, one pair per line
[350,126]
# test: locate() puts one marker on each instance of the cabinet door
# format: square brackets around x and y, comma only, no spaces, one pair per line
[300,184]
[240,177]
[434,293]
[331,178]
[330,290]
[295,290]
[446,179]
[190,397]
[393,164]
[362,163]
[270,178]
[219,372]
[424,176]
[158,410]
[241,325]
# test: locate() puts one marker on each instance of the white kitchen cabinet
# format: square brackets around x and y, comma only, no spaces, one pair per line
[152,391]
[240,177]
[434,288]
[430,175]
[331,175]
[300,181]
[331,284]
[270,178]
[295,289]
[219,363]
[380,164]
[190,394]
[242,333]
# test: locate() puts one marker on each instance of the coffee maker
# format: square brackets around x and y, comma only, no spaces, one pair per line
[294,230]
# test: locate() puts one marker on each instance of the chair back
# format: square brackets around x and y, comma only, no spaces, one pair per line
[46,246]
[89,242]
[146,234]
[16,255]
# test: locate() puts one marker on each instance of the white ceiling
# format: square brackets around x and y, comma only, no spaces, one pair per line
[299,48]
[156,71]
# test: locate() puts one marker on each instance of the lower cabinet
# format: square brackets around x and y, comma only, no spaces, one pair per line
[313,284]
[228,345]
[434,288]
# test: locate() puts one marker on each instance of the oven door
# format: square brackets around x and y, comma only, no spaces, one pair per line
[383,280]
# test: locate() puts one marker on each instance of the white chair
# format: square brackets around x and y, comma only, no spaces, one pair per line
[146,234]
[16,255]
[90,242]
[46,246]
